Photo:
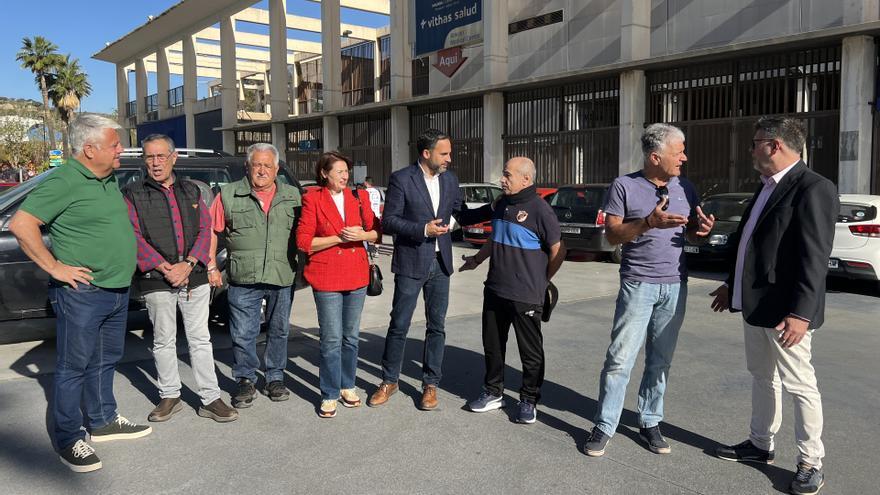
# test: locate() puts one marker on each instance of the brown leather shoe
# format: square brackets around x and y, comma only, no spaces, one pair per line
[165,409]
[218,411]
[429,398]
[381,396]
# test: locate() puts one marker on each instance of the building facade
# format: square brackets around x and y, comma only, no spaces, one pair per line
[569,83]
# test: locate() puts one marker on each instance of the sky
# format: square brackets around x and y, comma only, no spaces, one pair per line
[82,27]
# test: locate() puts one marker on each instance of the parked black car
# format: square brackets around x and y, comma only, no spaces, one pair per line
[24,286]
[581,218]
[728,209]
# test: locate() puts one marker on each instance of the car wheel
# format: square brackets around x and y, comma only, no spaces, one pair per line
[616,256]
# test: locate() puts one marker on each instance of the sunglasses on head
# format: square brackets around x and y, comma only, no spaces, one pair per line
[663,193]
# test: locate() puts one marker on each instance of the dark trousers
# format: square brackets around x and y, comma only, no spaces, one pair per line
[498,314]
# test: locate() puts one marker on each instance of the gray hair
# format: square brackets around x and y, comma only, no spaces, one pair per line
[792,132]
[258,147]
[87,129]
[159,137]
[656,136]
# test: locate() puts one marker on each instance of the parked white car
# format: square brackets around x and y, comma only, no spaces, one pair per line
[856,251]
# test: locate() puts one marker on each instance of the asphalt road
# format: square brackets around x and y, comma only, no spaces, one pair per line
[285,448]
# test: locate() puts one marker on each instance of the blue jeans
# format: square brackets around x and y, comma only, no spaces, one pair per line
[649,314]
[435,288]
[339,316]
[90,336]
[244,326]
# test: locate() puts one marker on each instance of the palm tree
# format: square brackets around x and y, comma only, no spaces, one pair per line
[67,86]
[38,56]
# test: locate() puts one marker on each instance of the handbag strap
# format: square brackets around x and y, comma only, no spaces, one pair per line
[363,222]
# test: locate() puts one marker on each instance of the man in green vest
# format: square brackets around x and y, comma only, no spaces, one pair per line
[258,216]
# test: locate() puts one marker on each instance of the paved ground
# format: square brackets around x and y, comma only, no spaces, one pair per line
[286,448]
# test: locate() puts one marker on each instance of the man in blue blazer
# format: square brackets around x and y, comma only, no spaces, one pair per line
[419,203]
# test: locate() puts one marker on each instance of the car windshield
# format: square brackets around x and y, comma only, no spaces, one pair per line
[580,198]
[15,193]
[726,209]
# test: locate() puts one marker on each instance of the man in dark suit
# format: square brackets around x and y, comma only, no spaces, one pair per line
[419,203]
[777,280]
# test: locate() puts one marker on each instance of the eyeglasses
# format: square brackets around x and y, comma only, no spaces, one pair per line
[663,193]
[756,141]
[157,158]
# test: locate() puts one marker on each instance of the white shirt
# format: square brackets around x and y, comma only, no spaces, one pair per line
[749,228]
[375,201]
[433,185]
[339,200]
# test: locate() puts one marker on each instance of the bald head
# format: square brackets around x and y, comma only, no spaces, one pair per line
[519,173]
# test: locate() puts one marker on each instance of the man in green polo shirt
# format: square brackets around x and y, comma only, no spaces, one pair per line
[91,264]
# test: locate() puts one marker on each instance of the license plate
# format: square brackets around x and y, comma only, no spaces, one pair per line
[475,230]
[832,263]
[692,249]
[570,230]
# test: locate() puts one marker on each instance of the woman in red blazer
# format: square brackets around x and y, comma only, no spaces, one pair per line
[334,225]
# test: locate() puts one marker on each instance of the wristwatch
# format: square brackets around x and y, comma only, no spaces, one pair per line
[191,263]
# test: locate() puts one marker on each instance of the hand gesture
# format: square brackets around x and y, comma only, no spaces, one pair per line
[705,223]
[435,228]
[71,274]
[722,298]
[659,219]
[178,274]
[792,331]
[352,234]
[470,263]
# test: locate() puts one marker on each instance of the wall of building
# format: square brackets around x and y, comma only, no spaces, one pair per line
[206,136]
[175,128]
[681,25]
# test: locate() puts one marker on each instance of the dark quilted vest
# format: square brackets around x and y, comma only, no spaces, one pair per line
[154,216]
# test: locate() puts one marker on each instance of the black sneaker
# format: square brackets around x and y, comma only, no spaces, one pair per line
[276,391]
[80,457]
[120,429]
[656,443]
[807,481]
[528,413]
[486,402]
[745,452]
[595,446]
[245,395]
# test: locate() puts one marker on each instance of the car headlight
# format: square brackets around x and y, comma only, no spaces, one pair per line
[718,239]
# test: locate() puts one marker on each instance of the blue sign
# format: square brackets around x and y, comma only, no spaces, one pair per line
[446,23]
[56,158]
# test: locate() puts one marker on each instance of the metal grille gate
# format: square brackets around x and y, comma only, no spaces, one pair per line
[366,139]
[717,104]
[243,139]
[304,146]
[463,121]
[570,132]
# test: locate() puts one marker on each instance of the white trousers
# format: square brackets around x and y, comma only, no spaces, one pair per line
[162,308]
[774,367]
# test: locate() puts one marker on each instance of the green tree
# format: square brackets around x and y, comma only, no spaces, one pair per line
[39,56]
[67,86]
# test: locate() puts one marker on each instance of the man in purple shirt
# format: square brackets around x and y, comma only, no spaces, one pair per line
[173,231]
[649,212]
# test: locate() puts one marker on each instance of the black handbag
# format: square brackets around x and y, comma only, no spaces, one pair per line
[374,287]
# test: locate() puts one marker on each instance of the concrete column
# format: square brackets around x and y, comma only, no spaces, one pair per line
[495,21]
[279,139]
[122,98]
[163,81]
[140,89]
[401,52]
[377,72]
[857,77]
[229,82]
[190,89]
[278,80]
[400,155]
[635,27]
[493,144]
[331,56]
[294,85]
[859,11]
[632,120]
[331,133]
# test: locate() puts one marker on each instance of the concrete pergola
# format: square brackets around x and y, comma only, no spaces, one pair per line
[183,40]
